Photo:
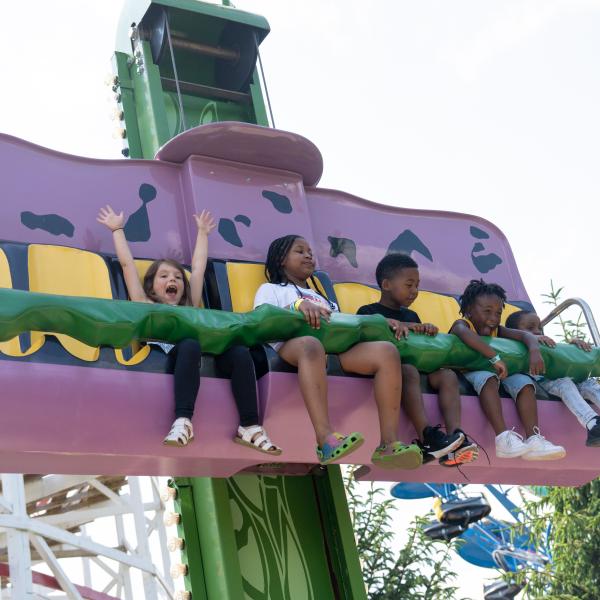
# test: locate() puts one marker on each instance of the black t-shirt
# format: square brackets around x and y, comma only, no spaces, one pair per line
[404,315]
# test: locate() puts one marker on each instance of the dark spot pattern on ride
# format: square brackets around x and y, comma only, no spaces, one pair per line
[228,231]
[345,246]
[243,219]
[280,202]
[137,227]
[53,224]
[408,242]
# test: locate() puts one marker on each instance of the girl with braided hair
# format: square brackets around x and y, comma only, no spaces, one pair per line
[289,266]
[481,306]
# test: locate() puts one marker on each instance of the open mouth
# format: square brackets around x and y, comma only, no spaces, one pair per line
[171,291]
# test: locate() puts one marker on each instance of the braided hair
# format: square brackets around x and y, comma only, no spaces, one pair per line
[274,271]
[477,288]
[276,254]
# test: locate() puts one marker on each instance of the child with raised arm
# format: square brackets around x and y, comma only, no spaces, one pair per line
[288,268]
[398,279]
[573,395]
[165,282]
[481,306]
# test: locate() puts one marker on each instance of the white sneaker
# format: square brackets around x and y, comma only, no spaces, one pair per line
[539,448]
[509,444]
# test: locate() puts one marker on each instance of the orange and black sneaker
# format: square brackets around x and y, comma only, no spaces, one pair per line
[466,453]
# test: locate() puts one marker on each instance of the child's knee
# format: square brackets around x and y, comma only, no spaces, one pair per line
[388,353]
[311,348]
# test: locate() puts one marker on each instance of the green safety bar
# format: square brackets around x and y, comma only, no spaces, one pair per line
[116,323]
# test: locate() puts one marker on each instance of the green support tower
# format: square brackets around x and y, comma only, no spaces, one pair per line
[180,64]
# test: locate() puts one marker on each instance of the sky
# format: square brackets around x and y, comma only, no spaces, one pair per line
[488,108]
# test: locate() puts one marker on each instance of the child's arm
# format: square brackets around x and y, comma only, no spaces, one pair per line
[536,362]
[115,222]
[205,224]
[461,330]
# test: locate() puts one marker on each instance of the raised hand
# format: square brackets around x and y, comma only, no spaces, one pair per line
[110,219]
[205,222]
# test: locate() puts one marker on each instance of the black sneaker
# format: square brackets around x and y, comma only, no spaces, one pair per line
[467,452]
[593,435]
[427,457]
[437,443]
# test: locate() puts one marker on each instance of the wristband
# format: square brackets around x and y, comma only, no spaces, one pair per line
[495,359]
[298,303]
[118,229]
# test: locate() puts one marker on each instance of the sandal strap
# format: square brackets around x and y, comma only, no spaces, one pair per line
[181,429]
[248,434]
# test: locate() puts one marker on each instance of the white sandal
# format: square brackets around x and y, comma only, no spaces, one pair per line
[256,437]
[181,434]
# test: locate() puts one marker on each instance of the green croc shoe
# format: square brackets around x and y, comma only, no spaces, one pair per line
[397,456]
[347,444]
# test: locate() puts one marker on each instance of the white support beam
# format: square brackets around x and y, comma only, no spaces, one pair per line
[141,534]
[103,489]
[124,571]
[45,552]
[54,533]
[19,558]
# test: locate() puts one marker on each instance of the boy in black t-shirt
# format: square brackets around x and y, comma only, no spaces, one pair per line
[398,278]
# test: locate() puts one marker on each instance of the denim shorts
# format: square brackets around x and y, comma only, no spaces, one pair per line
[513,384]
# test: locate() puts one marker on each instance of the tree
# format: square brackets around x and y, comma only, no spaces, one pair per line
[418,571]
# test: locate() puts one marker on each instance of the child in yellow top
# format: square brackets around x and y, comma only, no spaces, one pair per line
[481,306]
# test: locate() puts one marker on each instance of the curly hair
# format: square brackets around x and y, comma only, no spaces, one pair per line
[391,264]
[148,282]
[477,288]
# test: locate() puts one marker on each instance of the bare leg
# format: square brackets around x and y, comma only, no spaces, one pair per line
[307,353]
[527,409]
[445,383]
[491,405]
[412,399]
[380,359]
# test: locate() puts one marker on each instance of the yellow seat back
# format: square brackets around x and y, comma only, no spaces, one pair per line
[509,309]
[244,280]
[438,309]
[351,296]
[12,347]
[69,272]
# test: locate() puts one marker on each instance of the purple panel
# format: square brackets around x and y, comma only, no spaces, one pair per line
[78,420]
[450,248]
[43,182]
[248,144]
[231,190]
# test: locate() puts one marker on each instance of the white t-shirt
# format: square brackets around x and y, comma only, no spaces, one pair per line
[285,295]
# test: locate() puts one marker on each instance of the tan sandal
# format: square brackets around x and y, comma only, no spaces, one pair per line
[181,434]
[256,437]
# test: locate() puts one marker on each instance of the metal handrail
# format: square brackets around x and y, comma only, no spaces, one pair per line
[585,309]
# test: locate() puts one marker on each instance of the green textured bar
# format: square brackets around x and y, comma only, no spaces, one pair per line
[222,574]
[116,323]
